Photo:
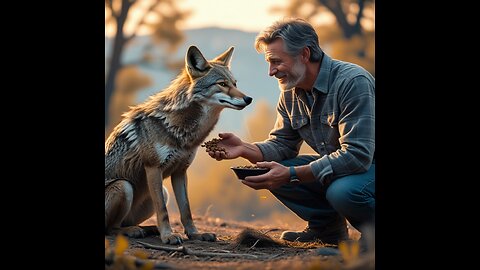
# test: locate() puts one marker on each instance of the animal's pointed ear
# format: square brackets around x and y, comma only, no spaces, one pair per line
[225,57]
[195,63]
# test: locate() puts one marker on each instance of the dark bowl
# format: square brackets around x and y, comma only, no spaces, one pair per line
[243,172]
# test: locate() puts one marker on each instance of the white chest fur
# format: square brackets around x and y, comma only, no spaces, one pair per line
[173,158]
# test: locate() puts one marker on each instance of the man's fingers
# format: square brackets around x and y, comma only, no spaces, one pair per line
[218,155]
[224,135]
[256,179]
[264,164]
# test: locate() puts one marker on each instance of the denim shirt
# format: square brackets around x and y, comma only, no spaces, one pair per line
[340,126]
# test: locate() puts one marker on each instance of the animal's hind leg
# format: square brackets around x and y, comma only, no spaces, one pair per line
[118,201]
[122,211]
[140,212]
[143,210]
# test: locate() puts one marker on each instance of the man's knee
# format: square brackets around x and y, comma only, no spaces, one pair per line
[340,195]
[351,200]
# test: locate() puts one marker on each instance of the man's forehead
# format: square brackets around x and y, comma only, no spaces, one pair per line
[277,44]
[275,49]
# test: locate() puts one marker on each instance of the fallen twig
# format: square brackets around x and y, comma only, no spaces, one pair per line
[188,251]
[258,240]
[271,230]
[274,256]
[222,250]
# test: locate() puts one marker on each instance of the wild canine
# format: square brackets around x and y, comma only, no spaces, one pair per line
[158,139]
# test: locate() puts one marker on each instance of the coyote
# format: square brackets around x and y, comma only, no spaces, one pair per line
[158,139]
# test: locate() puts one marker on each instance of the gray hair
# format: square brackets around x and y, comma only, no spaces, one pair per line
[296,34]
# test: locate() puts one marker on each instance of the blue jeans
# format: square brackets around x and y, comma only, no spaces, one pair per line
[351,197]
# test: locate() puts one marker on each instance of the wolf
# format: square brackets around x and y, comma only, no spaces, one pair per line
[158,139]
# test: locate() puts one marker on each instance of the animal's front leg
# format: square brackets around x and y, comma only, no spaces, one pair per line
[179,184]
[155,187]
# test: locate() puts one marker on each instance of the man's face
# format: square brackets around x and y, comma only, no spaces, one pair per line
[288,70]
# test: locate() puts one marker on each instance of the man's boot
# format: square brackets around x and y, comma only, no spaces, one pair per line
[331,235]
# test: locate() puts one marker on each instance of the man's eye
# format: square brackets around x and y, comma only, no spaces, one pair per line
[223,84]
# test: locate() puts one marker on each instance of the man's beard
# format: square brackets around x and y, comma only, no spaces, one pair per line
[295,76]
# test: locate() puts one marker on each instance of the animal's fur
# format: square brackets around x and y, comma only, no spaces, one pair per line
[158,139]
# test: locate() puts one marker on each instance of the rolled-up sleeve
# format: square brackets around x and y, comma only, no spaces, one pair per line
[283,141]
[356,127]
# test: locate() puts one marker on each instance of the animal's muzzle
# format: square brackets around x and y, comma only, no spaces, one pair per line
[247,99]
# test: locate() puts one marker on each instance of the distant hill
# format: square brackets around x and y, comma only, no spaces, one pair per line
[248,66]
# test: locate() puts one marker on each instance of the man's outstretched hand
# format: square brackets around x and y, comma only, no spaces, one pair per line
[231,144]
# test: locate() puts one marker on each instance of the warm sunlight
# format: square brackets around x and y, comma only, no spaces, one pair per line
[247,15]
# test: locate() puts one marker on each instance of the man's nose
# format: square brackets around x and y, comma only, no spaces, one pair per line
[273,71]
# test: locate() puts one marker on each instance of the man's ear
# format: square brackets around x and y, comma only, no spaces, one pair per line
[195,63]
[305,54]
[225,57]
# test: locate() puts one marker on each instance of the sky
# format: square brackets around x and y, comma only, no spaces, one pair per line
[246,15]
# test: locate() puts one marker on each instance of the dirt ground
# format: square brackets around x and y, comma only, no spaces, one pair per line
[239,245]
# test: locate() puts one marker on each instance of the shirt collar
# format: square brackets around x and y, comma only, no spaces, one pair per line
[321,83]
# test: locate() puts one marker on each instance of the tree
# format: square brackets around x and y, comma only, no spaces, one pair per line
[342,9]
[348,13]
[161,16]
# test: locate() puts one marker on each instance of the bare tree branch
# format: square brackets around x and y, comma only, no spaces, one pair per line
[361,6]
[142,21]
[336,8]
[109,4]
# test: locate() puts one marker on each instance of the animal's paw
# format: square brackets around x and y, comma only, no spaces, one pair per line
[172,239]
[133,232]
[203,237]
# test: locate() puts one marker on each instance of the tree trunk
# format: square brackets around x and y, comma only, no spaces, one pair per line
[114,67]
[348,30]
[115,59]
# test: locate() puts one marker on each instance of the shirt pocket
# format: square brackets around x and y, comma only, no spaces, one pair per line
[298,122]
[330,119]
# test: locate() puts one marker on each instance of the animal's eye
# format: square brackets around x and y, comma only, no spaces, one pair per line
[222,84]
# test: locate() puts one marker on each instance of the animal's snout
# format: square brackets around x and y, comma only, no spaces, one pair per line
[247,99]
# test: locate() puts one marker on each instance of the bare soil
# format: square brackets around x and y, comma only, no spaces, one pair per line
[239,245]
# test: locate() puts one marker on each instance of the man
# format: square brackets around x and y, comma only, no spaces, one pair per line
[330,105]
